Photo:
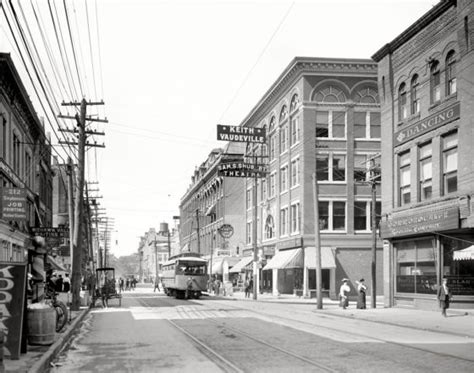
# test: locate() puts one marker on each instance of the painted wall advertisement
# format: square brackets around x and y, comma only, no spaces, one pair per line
[14,204]
[12,297]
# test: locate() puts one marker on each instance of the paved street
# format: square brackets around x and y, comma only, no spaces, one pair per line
[152,332]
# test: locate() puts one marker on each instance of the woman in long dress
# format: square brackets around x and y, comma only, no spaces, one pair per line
[361,290]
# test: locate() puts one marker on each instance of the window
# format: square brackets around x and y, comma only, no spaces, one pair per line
[264,189]
[272,185]
[426,182]
[28,170]
[415,100]
[435,82]
[466,33]
[295,218]
[269,227]
[404,178]
[283,221]
[360,168]
[272,146]
[402,102]
[283,138]
[284,178]
[360,125]
[332,215]
[450,163]
[283,113]
[16,153]
[295,130]
[331,124]
[360,216]
[375,125]
[295,172]
[294,102]
[367,125]
[331,167]
[4,138]
[249,232]
[249,199]
[450,73]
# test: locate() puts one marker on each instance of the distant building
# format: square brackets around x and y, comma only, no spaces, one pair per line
[210,202]
[322,115]
[25,163]
[426,82]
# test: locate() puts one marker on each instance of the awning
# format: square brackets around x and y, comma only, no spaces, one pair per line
[286,259]
[465,254]
[55,265]
[327,258]
[217,264]
[185,247]
[212,209]
[240,266]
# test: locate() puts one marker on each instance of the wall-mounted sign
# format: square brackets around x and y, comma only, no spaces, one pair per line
[242,169]
[54,232]
[226,230]
[12,296]
[241,134]
[427,124]
[8,171]
[14,204]
[426,222]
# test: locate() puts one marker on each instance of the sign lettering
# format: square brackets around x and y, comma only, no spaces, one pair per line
[14,203]
[241,134]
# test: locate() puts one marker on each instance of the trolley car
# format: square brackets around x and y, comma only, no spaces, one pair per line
[185,276]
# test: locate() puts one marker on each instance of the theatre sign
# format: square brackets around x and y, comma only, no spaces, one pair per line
[241,134]
[430,123]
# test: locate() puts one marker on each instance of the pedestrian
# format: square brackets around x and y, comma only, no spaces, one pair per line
[361,290]
[127,284]
[444,296]
[120,284]
[217,286]
[246,287]
[250,286]
[157,284]
[344,293]
[59,284]
[66,283]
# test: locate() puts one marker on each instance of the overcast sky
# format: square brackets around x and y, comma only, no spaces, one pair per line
[172,70]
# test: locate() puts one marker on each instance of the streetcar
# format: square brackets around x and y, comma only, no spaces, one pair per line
[185,276]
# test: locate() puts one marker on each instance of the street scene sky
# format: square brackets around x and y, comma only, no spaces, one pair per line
[170,71]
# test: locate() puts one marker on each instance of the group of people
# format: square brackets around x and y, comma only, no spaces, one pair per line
[59,283]
[444,295]
[127,284]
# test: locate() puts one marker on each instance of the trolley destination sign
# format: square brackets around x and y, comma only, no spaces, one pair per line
[241,134]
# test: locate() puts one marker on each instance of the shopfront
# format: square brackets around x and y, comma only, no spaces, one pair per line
[420,261]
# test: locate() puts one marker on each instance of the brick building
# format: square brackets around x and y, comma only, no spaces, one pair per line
[426,84]
[322,116]
[25,163]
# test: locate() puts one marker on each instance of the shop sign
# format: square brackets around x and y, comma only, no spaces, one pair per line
[460,285]
[12,296]
[14,204]
[241,134]
[430,123]
[53,232]
[269,251]
[427,222]
[289,244]
[226,230]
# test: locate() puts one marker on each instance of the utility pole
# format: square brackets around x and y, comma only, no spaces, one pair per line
[374,179]
[197,229]
[70,198]
[317,244]
[156,260]
[254,230]
[79,200]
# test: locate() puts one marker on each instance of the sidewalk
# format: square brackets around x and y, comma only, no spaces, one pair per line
[459,322]
[38,358]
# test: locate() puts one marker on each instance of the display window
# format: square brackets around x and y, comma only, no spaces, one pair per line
[416,266]
[458,266]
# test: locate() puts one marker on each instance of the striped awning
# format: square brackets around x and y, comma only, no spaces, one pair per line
[286,259]
[240,266]
[327,258]
[465,254]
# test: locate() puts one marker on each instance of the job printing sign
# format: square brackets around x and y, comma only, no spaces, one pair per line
[430,123]
[14,204]
[241,134]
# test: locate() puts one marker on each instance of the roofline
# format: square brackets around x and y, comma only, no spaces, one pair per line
[294,62]
[416,27]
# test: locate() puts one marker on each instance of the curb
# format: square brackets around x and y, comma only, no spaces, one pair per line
[42,365]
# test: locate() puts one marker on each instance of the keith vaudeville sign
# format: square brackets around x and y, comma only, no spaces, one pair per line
[241,134]
[427,124]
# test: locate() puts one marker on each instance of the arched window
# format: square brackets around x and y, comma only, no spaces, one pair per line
[402,102]
[435,82]
[451,73]
[367,96]
[269,227]
[272,139]
[330,94]
[272,124]
[283,113]
[294,102]
[415,100]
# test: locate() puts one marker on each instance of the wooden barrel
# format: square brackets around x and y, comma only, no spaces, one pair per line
[41,326]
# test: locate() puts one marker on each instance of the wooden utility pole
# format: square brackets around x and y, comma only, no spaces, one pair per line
[197,229]
[255,231]
[77,248]
[374,177]
[70,198]
[317,244]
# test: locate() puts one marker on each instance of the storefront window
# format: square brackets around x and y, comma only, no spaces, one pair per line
[458,266]
[416,267]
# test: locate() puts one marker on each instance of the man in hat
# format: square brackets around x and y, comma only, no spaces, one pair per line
[444,295]
[344,293]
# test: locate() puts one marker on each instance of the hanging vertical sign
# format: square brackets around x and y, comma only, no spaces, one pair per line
[12,296]
[241,134]
[14,204]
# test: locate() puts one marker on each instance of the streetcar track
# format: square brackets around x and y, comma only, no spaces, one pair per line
[360,334]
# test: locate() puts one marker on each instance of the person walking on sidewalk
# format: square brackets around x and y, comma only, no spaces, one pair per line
[344,293]
[444,296]
[361,290]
